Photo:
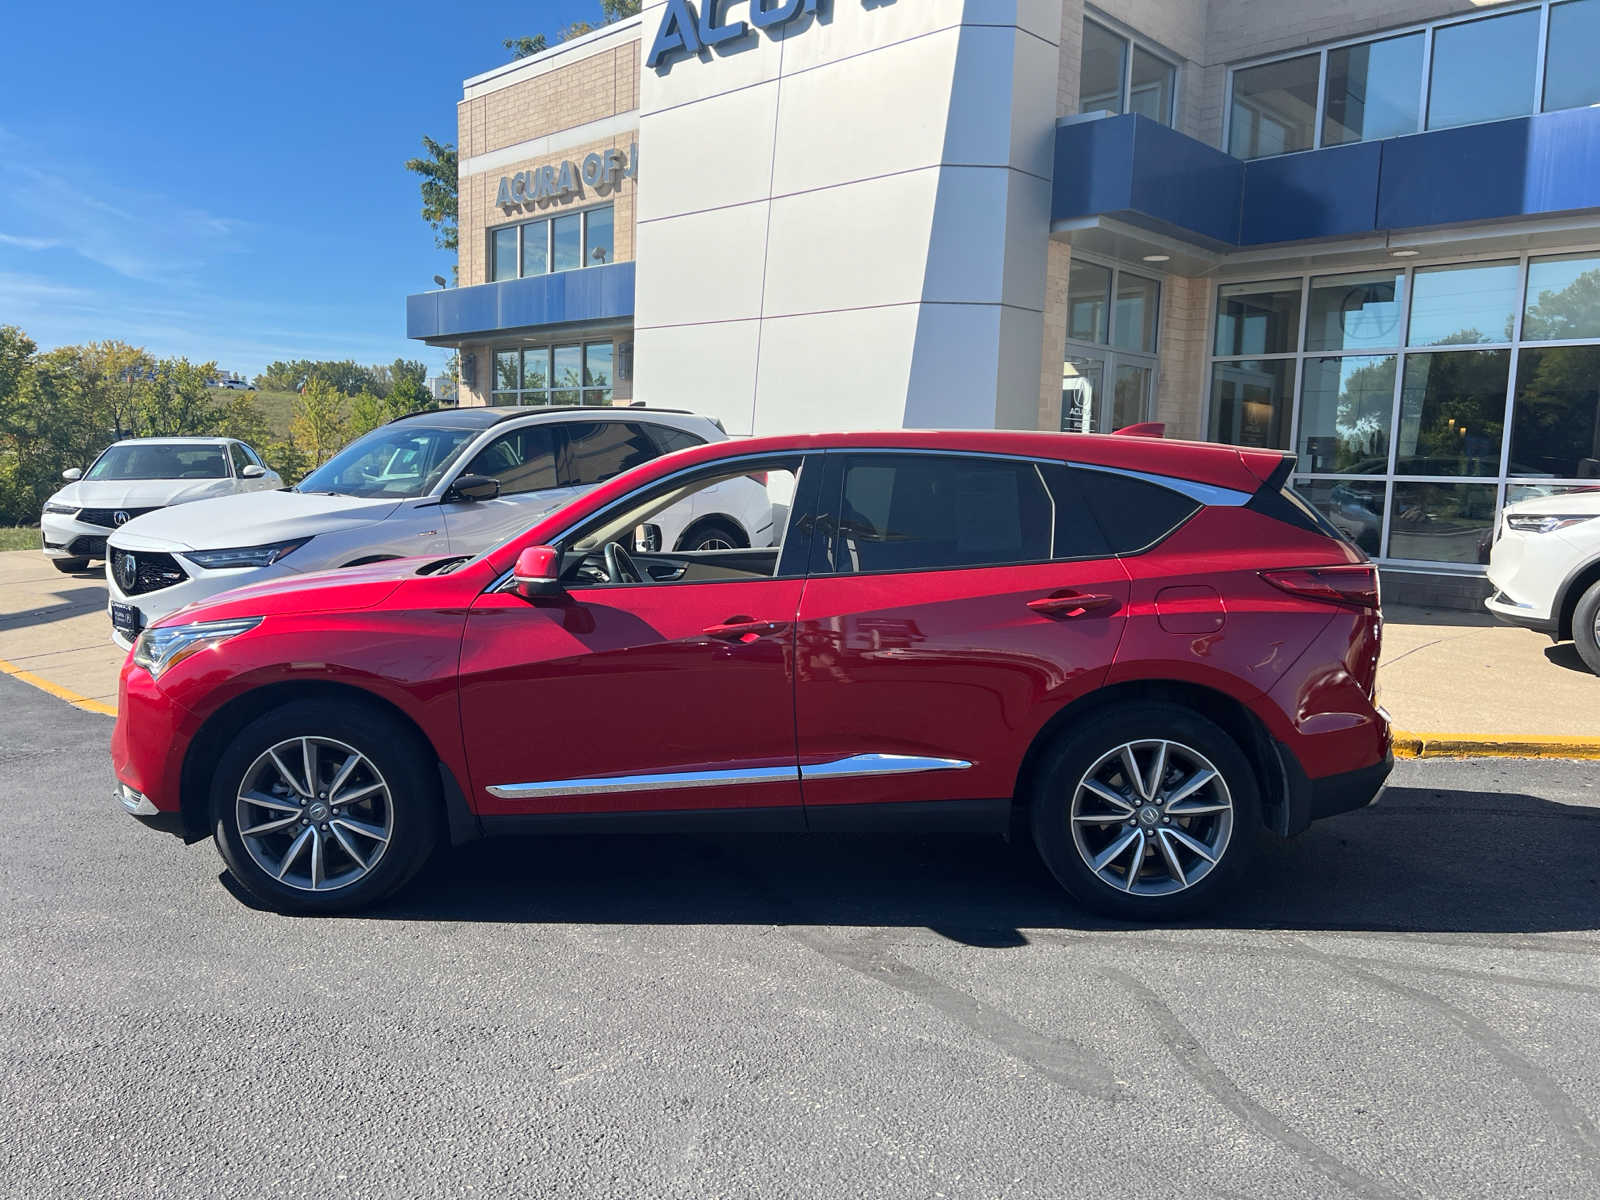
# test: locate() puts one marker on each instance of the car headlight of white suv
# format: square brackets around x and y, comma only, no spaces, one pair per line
[1540,523]
[244,556]
[159,649]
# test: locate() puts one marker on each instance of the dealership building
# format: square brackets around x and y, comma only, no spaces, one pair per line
[1367,232]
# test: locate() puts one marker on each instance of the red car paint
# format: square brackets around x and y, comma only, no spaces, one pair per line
[970,664]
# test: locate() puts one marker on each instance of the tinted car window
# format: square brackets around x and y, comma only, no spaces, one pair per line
[1133,514]
[919,512]
[675,439]
[598,450]
[158,460]
[240,462]
[523,460]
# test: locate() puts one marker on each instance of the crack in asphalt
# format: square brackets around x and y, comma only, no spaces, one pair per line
[1565,1114]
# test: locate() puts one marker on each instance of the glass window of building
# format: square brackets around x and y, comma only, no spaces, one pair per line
[1151,85]
[566,242]
[1555,418]
[1138,300]
[536,248]
[1452,413]
[1483,70]
[1119,75]
[1258,318]
[1346,409]
[1374,90]
[571,374]
[1355,312]
[1465,305]
[503,253]
[1274,107]
[1404,443]
[1251,401]
[1570,77]
[599,237]
[536,373]
[1088,302]
[597,373]
[1563,299]
[507,375]
[1102,70]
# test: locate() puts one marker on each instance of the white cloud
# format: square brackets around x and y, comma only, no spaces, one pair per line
[23,242]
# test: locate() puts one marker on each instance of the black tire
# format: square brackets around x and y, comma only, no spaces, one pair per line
[68,565]
[1584,634]
[712,534]
[1195,743]
[395,756]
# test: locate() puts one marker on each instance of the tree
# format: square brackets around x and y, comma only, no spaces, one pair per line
[319,422]
[526,47]
[440,190]
[242,418]
[114,371]
[368,410]
[178,400]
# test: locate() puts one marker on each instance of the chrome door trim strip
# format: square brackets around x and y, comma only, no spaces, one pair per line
[654,782]
[855,766]
[880,764]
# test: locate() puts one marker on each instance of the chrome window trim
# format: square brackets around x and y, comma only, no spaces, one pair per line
[852,767]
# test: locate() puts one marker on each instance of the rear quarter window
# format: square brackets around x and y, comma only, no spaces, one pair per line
[1133,514]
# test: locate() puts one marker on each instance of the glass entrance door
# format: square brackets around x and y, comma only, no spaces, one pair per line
[1089,405]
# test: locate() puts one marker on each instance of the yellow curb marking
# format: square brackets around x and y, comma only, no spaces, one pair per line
[1467,745]
[56,690]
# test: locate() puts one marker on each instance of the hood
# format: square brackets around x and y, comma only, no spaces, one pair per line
[1568,504]
[351,589]
[251,519]
[139,493]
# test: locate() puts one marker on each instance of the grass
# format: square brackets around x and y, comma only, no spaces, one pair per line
[276,407]
[19,537]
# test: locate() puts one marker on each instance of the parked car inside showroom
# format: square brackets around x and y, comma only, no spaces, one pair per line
[137,476]
[1142,653]
[450,482]
[1545,568]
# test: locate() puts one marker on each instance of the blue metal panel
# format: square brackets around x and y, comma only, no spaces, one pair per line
[1327,193]
[1094,168]
[565,298]
[1184,183]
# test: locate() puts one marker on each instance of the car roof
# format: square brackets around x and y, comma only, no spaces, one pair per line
[485,416]
[176,440]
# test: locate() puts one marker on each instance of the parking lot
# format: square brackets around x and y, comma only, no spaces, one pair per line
[1404,1005]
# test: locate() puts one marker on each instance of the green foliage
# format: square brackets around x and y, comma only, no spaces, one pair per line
[19,537]
[345,375]
[178,400]
[440,188]
[320,424]
[287,459]
[526,47]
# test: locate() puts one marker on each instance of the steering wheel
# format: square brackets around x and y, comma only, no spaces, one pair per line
[621,568]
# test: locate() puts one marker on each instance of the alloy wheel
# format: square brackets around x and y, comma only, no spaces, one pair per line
[315,814]
[1152,818]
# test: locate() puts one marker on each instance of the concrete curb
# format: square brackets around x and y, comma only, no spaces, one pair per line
[56,690]
[1470,745]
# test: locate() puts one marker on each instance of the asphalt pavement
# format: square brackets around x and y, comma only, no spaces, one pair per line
[1404,1005]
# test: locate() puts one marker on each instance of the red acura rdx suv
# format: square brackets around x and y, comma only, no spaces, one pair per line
[1147,653]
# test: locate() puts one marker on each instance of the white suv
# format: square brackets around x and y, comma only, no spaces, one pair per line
[438,484]
[1545,568]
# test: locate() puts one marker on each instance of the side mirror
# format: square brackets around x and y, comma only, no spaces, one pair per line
[474,487]
[72,474]
[537,575]
[647,539]
[253,471]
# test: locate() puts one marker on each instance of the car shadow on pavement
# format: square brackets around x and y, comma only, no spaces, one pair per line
[1565,654]
[65,604]
[1421,860]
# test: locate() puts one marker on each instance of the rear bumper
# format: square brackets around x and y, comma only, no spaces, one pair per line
[1349,790]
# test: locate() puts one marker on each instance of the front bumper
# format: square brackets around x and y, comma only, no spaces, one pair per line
[138,806]
[67,537]
[1503,608]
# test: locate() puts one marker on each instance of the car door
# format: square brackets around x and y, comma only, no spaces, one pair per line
[668,696]
[525,462]
[955,601]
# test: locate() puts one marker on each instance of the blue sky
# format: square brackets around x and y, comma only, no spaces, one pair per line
[225,181]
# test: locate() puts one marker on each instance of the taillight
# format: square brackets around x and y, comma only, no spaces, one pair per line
[1355,586]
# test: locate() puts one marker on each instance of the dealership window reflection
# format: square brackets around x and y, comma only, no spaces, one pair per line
[561,243]
[570,374]
[1118,74]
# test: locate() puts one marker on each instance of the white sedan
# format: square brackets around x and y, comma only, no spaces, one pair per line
[1545,569]
[439,484]
[138,476]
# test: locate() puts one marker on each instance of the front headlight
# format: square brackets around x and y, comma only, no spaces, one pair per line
[244,556]
[157,650]
[61,510]
[1541,524]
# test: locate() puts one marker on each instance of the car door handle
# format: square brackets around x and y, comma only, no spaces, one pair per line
[744,629]
[1070,604]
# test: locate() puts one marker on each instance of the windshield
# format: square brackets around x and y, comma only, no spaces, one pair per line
[153,460]
[398,460]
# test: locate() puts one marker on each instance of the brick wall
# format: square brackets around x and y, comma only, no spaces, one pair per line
[1181,383]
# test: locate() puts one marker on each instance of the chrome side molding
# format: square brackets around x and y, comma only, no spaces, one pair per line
[855,766]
